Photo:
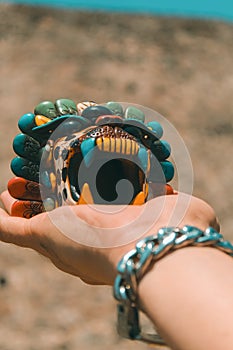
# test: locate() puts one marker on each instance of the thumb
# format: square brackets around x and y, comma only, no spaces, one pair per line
[14,230]
[7,201]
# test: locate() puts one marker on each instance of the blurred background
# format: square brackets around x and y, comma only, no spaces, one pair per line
[175,60]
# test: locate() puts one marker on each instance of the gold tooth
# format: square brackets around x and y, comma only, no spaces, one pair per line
[41,119]
[139,199]
[99,143]
[128,146]
[86,196]
[118,145]
[113,144]
[135,147]
[132,147]
[123,144]
[106,144]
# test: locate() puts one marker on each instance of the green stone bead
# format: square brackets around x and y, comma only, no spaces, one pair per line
[65,106]
[115,107]
[47,109]
[134,113]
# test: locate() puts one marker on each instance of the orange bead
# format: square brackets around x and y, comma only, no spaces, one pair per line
[169,189]
[26,209]
[21,188]
[159,189]
[41,119]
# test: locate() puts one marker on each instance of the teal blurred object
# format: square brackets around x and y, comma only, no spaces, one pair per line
[211,9]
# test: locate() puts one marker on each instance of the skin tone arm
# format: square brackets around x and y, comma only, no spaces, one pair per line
[187,294]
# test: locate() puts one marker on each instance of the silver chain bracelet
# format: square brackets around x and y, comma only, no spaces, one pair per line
[134,264]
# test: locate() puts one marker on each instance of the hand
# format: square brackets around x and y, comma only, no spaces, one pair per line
[92,264]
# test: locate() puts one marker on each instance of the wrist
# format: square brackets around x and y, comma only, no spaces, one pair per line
[188,297]
[158,286]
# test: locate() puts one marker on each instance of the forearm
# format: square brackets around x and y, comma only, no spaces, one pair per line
[189,297]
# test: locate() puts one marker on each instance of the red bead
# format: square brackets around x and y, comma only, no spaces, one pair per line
[21,188]
[26,209]
[169,189]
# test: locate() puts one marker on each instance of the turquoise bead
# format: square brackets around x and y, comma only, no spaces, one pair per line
[161,149]
[88,150]
[143,157]
[134,113]
[156,128]
[115,107]
[168,170]
[65,106]
[27,147]
[27,123]
[47,109]
[25,168]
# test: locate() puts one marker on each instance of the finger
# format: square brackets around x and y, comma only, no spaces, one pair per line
[7,201]
[17,230]
[20,208]
[21,188]
[14,230]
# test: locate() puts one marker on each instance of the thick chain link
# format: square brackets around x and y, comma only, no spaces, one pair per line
[134,264]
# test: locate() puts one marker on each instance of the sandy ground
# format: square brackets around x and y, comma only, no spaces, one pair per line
[180,67]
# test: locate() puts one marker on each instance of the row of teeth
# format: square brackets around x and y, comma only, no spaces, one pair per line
[121,146]
[117,145]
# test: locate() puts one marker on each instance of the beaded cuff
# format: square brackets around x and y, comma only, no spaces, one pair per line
[70,154]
